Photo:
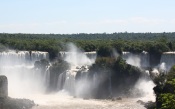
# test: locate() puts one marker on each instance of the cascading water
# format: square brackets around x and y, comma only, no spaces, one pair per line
[144,86]
[23,78]
[91,55]
[47,77]
[74,57]
[77,60]
[139,60]
[167,60]
[61,81]
[144,89]
[69,84]
[14,57]
[37,55]
[143,60]
[28,81]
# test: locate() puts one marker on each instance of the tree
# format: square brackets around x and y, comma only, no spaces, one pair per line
[165,92]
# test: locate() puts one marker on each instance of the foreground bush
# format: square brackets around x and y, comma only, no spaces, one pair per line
[165,91]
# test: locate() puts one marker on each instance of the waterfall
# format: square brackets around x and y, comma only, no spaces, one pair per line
[21,57]
[68,81]
[69,84]
[91,55]
[79,62]
[14,58]
[82,84]
[47,77]
[23,77]
[145,59]
[38,55]
[61,81]
[167,60]
[140,60]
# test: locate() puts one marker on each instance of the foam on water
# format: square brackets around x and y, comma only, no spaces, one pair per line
[62,100]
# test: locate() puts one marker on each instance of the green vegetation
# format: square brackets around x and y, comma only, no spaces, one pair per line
[2,48]
[58,67]
[154,43]
[122,76]
[42,64]
[167,100]
[165,91]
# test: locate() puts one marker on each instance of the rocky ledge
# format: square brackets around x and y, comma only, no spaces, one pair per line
[12,103]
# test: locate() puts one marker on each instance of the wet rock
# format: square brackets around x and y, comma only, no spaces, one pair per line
[12,103]
[3,87]
[78,67]
[150,105]
[118,98]
[141,102]
[85,98]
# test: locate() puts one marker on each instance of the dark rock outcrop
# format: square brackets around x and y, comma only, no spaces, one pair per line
[3,87]
[11,103]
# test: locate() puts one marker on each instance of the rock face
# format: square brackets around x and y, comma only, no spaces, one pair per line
[3,87]
[12,103]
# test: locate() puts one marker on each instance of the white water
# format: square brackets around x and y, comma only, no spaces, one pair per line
[167,60]
[26,82]
[145,87]
[23,79]
[21,57]
[143,60]
[63,101]
[139,60]
[79,61]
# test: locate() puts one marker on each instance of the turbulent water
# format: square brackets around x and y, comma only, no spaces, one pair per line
[167,60]
[142,60]
[27,82]
[63,101]
[18,66]
[139,60]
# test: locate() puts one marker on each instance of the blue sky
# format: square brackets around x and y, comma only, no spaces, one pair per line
[86,16]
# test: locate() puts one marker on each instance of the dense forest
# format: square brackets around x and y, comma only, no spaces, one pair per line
[155,43]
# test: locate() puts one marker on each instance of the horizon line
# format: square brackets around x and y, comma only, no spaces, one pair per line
[88,33]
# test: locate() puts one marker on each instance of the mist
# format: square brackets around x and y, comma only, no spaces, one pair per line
[144,89]
[79,65]
[77,57]
[28,80]
[132,59]
[144,86]
[19,68]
